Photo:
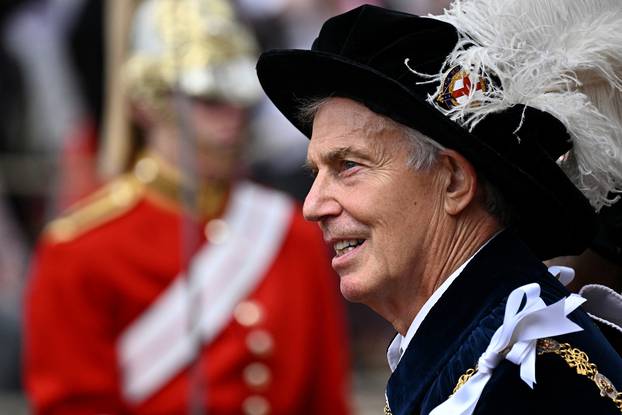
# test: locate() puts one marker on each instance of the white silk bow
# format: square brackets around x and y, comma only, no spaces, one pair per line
[516,341]
[564,275]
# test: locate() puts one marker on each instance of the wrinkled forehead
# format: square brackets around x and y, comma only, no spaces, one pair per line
[342,123]
[337,114]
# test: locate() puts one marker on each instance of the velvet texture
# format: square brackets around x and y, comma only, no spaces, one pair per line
[360,55]
[456,332]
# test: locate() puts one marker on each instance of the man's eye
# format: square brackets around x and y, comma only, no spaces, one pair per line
[347,165]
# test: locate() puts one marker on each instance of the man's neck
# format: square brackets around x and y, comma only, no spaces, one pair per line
[447,252]
[168,184]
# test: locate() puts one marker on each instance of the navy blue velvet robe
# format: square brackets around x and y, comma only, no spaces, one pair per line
[459,327]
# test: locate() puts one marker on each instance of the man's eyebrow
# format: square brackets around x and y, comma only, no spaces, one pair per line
[309,166]
[336,155]
[343,153]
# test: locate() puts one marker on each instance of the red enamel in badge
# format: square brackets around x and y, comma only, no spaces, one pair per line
[458,86]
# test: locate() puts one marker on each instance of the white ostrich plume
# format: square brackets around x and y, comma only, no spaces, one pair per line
[563,57]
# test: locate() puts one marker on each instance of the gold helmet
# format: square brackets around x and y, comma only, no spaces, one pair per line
[197,47]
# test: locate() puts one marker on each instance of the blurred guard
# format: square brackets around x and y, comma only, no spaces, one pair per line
[185,288]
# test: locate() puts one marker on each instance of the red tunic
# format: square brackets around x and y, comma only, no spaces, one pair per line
[85,291]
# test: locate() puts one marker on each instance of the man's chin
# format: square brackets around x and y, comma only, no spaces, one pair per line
[352,289]
[218,170]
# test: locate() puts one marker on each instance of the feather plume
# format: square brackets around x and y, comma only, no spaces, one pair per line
[562,57]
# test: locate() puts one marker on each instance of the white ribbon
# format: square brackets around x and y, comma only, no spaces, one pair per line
[516,341]
[564,275]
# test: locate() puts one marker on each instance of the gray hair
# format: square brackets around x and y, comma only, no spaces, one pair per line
[423,150]
[424,153]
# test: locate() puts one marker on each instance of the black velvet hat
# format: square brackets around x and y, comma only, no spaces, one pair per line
[361,55]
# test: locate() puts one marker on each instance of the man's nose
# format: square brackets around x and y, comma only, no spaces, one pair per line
[321,201]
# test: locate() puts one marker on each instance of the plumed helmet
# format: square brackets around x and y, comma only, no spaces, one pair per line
[197,47]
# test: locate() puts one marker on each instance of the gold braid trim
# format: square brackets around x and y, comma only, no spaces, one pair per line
[463,379]
[574,358]
[578,359]
[387,410]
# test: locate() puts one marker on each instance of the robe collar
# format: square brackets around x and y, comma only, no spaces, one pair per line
[503,264]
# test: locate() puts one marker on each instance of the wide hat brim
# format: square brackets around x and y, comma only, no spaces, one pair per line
[552,216]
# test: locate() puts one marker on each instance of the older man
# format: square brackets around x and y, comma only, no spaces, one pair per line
[435,151]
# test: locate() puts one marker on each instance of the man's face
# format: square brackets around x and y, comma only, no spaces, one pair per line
[220,131]
[373,208]
[217,130]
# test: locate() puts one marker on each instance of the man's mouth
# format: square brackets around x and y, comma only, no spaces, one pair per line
[345,246]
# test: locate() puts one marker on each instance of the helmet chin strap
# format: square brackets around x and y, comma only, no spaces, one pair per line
[186,164]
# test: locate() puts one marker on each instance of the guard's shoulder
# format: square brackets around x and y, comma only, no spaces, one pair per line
[110,202]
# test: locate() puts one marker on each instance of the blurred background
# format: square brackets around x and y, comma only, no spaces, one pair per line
[52,95]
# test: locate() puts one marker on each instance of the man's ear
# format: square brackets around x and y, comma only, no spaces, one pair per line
[461,185]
